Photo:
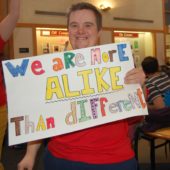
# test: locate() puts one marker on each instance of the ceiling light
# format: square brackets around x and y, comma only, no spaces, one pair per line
[104,8]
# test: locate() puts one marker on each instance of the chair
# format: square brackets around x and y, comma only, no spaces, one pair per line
[151,137]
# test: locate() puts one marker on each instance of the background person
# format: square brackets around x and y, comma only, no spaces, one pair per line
[166,68]
[7,26]
[104,147]
[157,84]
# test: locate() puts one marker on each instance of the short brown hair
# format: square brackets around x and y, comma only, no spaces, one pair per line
[88,6]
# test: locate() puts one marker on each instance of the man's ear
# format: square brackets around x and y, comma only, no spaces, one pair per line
[99,33]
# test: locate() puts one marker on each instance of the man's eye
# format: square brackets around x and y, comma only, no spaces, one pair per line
[88,25]
[73,25]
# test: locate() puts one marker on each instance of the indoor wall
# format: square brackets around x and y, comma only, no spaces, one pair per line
[123,15]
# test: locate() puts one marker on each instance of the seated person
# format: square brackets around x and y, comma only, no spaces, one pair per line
[166,69]
[157,84]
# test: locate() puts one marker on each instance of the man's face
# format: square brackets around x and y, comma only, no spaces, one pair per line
[82,29]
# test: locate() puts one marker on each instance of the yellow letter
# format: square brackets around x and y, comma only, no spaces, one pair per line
[53,87]
[68,93]
[99,78]
[41,124]
[115,78]
[105,57]
[85,75]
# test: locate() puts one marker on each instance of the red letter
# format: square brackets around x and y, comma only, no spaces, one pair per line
[139,93]
[37,68]
[102,100]
[50,122]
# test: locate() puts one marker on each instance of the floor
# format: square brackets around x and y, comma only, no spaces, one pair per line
[162,160]
[11,156]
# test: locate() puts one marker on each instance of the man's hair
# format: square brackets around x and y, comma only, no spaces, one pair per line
[150,65]
[88,6]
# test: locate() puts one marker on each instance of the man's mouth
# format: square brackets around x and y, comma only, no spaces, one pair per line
[81,38]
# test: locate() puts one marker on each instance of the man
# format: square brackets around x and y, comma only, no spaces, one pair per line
[102,147]
[7,26]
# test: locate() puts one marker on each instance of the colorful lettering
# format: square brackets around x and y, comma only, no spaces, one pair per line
[121,52]
[71,117]
[83,115]
[53,88]
[85,75]
[95,56]
[36,68]
[15,71]
[58,64]
[68,56]
[17,121]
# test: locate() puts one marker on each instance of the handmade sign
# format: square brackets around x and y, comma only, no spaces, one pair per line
[63,92]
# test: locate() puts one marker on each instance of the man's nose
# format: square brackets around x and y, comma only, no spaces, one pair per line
[81,29]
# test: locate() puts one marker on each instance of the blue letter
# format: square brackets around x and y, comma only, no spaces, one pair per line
[18,69]
[121,52]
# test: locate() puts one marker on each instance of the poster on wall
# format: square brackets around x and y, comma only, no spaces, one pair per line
[46,48]
[63,92]
[57,48]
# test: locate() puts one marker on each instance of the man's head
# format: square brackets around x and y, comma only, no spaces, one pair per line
[150,65]
[84,24]
[87,6]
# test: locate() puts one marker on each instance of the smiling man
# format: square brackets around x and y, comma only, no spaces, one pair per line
[83,28]
[104,147]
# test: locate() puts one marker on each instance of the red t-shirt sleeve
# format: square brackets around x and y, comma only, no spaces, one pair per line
[2,88]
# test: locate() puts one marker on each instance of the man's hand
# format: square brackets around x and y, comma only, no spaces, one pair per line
[135,76]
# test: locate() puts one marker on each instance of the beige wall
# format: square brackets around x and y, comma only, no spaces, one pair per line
[160,48]
[149,46]
[23,38]
[138,9]
[106,37]
[120,8]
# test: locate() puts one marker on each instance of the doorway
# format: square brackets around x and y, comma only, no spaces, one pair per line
[51,40]
[142,43]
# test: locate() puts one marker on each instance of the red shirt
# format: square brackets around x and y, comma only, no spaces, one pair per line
[104,144]
[2,88]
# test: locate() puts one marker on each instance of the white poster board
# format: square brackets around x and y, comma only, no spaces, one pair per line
[58,93]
